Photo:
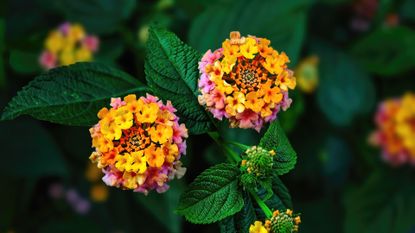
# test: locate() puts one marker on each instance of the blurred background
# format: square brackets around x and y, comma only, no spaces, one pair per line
[349,56]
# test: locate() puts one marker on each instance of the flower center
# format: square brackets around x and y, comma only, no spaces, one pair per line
[247,74]
[132,139]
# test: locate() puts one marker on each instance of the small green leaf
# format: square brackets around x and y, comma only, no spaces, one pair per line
[246,216]
[71,95]
[387,51]
[212,196]
[171,70]
[385,203]
[281,191]
[275,139]
[227,225]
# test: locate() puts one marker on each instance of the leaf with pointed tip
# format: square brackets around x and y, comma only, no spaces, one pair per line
[71,95]
[171,72]
[212,196]
[275,139]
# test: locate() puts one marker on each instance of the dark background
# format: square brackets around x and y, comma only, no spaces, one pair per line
[366,50]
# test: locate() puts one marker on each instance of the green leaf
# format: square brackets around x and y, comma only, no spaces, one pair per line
[385,203]
[407,10]
[283,22]
[275,139]
[290,117]
[171,72]
[246,216]
[281,191]
[96,15]
[162,206]
[31,152]
[24,62]
[345,90]
[212,196]
[387,51]
[71,95]
[227,225]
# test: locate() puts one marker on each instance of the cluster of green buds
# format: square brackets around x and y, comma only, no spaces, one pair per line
[280,222]
[256,165]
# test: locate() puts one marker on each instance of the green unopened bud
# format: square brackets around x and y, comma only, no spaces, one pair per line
[259,161]
[284,222]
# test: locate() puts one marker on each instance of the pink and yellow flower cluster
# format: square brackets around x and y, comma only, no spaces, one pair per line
[67,45]
[139,143]
[245,81]
[395,134]
[280,222]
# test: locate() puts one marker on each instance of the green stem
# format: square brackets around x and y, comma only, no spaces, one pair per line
[261,204]
[240,145]
[230,154]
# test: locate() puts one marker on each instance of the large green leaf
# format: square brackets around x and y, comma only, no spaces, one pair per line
[29,151]
[275,139]
[283,22]
[212,196]
[71,95]
[171,72]
[387,51]
[385,203]
[345,90]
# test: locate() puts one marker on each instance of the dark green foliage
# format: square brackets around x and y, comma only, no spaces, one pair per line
[387,51]
[275,139]
[71,95]
[282,22]
[171,72]
[212,196]
[345,89]
[384,203]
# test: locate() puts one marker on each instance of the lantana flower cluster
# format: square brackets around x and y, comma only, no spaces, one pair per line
[245,81]
[139,143]
[67,45]
[395,134]
[280,222]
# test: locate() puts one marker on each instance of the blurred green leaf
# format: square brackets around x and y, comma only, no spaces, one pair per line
[227,225]
[171,72]
[283,22]
[290,117]
[162,206]
[24,62]
[384,203]
[2,48]
[212,196]
[71,95]
[336,161]
[97,16]
[407,10]
[387,51]
[275,139]
[345,90]
[30,151]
